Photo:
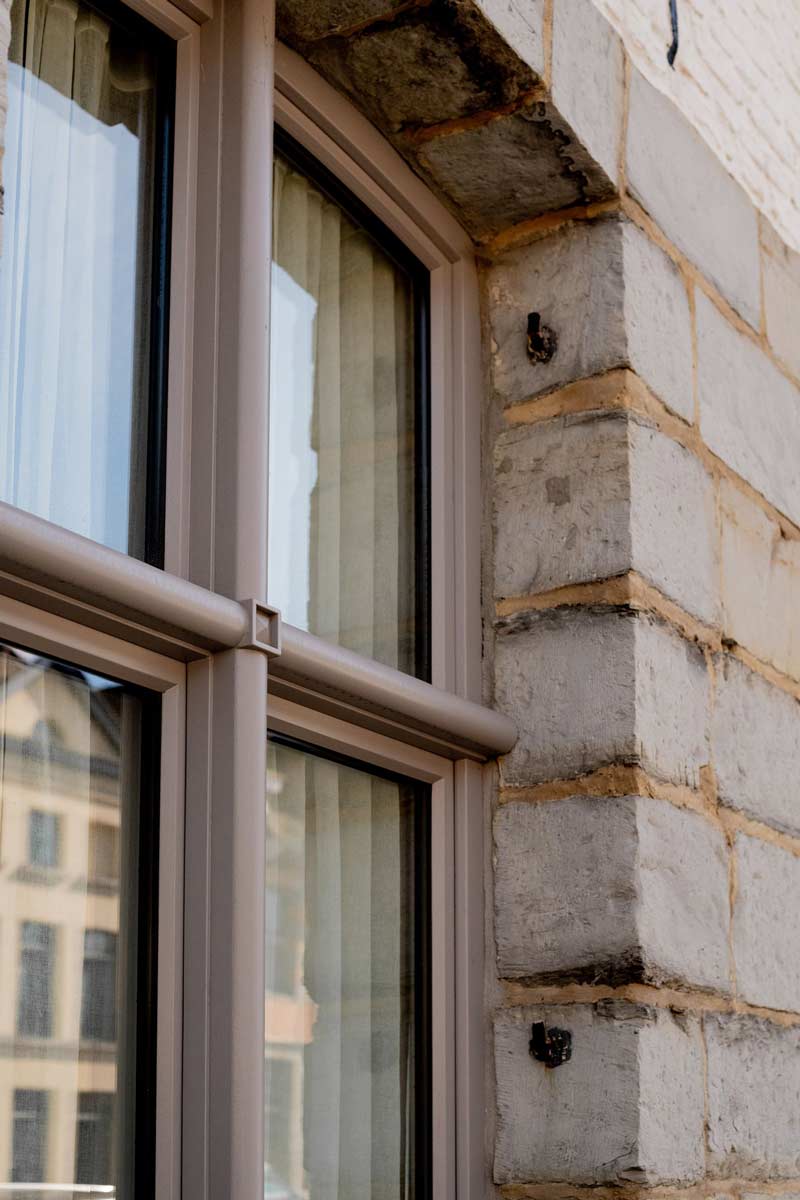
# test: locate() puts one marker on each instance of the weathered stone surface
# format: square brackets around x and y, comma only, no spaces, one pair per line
[521,24]
[593,495]
[589,687]
[538,158]
[575,281]
[566,893]
[568,677]
[612,298]
[673,521]
[674,175]
[781,272]
[431,64]
[766,931]
[672,704]
[753,1098]
[760,582]
[749,411]
[588,79]
[610,891]
[755,740]
[627,1106]
[562,503]
[308,20]
[683,912]
[658,325]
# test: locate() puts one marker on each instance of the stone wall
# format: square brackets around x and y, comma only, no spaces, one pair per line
[736,79]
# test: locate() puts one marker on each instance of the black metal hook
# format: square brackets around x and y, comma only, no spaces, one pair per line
[550,1046]
[673,20]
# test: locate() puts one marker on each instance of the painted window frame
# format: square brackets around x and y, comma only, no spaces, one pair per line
[201,632]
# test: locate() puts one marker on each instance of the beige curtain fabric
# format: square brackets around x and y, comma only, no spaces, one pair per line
[348,567]
[353,1113]
[74,272]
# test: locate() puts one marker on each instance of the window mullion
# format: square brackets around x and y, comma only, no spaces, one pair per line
[226,714]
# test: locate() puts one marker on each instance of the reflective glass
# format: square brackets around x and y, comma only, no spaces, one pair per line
[347,922]
[80,305]
[348,519]
[71,747]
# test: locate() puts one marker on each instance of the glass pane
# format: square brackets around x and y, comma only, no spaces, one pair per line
[346,929]
[77,324]
[347,544]
[71,747]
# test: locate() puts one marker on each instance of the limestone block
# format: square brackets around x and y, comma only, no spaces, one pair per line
[685,188]
[610,890]
[753,1098]
[592,495]
[755,742]
[781,271]
[588,79]
[628,1106]
[562,503]
[657,322]
[575,281]
[521,24]
[673,522]
[749,411]
[611,296]
[309,20]
[766,931]
[430,64]
[760,572]
[672,704]
[589,687]
[512,168]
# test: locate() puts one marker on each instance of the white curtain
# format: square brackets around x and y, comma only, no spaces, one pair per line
[353,1113]
[73,271]
[341,428]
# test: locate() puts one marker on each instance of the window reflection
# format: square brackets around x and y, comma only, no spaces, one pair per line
[70,747]
[77,323]
[345,1039]
[348,519]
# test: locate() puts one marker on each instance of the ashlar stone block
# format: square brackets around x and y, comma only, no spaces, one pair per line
[610,890]
[691,196]
[590,687]
[766,932]
[628,1106]
[753,1098]
[755,741]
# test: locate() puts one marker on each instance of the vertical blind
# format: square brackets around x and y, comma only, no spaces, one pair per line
[344,510]
[341,1101]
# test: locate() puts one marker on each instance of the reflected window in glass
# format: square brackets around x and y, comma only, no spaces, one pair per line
[83,285]
[349,512]
[80,1047]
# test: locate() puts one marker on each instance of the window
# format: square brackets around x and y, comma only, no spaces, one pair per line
[68,966]
[145,543]
[93,1138]
[99,994]
[348,848]
[43,839]
[29,1136]
[348,465]
[83,299]
[103,854]
[37,951]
